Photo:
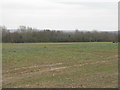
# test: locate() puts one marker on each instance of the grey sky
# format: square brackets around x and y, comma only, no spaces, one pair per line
[61,14]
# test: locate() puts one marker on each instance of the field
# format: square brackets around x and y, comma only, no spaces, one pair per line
[60,65]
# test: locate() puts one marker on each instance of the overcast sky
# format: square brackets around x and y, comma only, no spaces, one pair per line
[60,14]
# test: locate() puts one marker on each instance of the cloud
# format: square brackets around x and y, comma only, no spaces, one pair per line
[86,1]
[92,4]
[60,14]
[27,4]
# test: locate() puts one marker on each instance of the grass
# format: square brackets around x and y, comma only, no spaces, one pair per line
[60,65]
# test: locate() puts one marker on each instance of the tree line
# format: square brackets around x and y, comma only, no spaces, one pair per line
[28,35]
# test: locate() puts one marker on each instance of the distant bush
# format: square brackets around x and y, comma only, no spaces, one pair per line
[27,34]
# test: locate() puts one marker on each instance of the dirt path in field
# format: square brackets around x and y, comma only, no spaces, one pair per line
[49,65]
[35,66]
[25,74]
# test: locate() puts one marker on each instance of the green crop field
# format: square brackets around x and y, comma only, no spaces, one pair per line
[60,65]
